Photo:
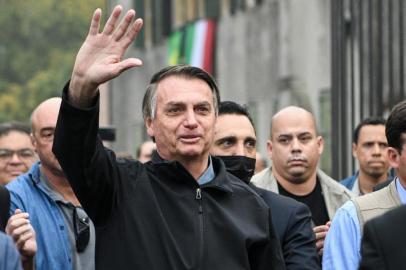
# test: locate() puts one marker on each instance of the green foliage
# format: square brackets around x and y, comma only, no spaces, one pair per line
[38,44]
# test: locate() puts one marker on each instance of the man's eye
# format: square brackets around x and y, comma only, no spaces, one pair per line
[203,110]
[26,153]
[5,153]
[305,139]
[250,144]
[174,110]
[283,140]
[227,143]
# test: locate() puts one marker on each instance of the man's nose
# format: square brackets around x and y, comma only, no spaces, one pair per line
[295,144]
[15,158]
[376,149]
[190,119]
[240,150]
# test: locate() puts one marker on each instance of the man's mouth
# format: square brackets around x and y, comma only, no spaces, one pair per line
[189,138]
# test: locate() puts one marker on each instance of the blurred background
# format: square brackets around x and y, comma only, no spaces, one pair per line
[343,60]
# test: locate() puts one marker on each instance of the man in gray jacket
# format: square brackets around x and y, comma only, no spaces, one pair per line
[295,149]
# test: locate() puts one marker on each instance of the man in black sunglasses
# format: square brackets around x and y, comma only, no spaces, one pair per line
[64,233]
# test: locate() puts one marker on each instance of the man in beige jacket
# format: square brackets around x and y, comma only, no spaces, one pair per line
[295,149]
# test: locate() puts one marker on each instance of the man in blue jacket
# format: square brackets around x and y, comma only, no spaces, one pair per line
[64,234]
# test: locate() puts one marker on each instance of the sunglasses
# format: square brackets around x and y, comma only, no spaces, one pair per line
[81,227]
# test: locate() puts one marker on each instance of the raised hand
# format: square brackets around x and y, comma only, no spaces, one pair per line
[23,234]
[100,58]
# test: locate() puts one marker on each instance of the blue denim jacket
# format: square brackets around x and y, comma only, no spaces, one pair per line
[9,257]
[28,193]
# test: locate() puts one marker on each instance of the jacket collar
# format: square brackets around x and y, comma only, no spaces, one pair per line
[220,181]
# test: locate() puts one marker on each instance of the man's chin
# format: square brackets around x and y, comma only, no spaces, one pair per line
[297,176]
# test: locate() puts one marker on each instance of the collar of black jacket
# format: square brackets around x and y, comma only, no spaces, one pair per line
[222,180]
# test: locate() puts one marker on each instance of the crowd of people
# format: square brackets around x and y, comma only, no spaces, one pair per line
[197,196]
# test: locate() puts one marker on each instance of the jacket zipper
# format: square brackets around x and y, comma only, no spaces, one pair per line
[201,242]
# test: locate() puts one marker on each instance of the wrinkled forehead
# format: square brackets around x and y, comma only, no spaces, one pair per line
[233,125]
[178,88]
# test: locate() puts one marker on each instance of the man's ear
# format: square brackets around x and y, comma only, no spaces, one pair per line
[269,148]
[354,150]
[33,141]
[393,157]
[150,126]
[320,144]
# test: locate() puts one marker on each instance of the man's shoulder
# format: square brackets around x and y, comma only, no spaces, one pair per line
[349,181]
[23,187]
[372,200]
[263,179]
[332,185]
[22,182]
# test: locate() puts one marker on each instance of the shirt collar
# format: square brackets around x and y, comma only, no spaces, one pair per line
[208,175]
[355,188]
[401,190]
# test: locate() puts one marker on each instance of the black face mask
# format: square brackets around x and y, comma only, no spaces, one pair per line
[240,166]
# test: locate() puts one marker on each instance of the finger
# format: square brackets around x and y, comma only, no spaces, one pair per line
[111,22]
[17,211]
[15,223]
[23,229]
[320,228]
[18,217]
[23,239]
[133,32]
[319,244]
[321,235]
[122,29]
[321,252]
[95,24]
[129,63]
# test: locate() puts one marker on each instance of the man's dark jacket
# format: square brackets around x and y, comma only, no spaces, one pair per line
[293,224]
[384,242]
[155,215]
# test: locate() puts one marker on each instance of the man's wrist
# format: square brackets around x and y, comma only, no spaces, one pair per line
[81,93]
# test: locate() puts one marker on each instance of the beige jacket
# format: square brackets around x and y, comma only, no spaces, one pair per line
[376,203]
[335,194]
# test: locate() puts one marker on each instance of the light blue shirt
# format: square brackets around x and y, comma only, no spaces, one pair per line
[208,174]
[343,242]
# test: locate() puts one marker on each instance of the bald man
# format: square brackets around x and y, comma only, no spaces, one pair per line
[44,198]
[295,149]
[145,150]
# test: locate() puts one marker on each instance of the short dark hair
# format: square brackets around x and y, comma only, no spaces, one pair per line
[149,100]
[231,107]
[396,126]
[374,121]
[7,127]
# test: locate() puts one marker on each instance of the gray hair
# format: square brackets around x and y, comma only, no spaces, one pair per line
[150,97]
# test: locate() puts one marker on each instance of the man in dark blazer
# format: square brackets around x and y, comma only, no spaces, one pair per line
[234,143]
[383,245]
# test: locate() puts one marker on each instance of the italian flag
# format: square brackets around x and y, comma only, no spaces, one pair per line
[193,44]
